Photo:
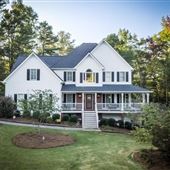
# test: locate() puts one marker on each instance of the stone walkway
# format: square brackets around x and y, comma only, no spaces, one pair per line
[49,127]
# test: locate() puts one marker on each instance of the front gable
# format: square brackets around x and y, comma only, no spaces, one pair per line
[110,58]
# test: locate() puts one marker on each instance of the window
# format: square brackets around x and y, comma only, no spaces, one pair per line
[33,74]
[69,76]
[90,76]
[122,76]
[108,98]
[108,76]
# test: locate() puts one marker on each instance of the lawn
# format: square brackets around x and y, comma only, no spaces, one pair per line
[92,151]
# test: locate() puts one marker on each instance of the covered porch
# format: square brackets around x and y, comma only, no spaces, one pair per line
[104,102]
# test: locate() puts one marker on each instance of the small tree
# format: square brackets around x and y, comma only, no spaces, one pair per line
[42,102]
[156,127]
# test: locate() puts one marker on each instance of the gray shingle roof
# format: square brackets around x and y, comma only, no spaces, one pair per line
[68,61]
[104,88]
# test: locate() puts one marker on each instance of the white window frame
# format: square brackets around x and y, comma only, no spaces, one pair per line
[92,75]
[108,76]
[122,76]
[33,74]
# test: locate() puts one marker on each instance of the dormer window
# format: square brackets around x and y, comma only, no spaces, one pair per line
[90,76]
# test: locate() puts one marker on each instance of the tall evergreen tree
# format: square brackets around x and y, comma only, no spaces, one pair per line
[17,31]
[46,39]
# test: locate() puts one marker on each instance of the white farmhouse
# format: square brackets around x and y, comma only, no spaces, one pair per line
[93,81]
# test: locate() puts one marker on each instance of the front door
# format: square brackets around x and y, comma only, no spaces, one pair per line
[89,102]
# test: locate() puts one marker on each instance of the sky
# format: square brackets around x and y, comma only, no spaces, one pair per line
[93,20]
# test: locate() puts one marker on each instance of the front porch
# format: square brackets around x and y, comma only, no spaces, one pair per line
[103,102]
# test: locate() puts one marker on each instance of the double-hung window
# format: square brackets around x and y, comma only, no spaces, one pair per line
[33,74]
[122,76]
[69,76]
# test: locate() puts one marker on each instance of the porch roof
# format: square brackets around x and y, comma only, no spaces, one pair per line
[116,88]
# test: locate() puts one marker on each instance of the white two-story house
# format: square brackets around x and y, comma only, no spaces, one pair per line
[93,81]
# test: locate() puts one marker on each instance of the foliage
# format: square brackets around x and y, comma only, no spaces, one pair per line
[55,117]
[7,107]
[41,104]
[128,125]
[73,118]
[120,123]
[46,39]
[65,117]
[111,122]
[64,43]
[17,31]
[49,119]
[103,122]
[156,127]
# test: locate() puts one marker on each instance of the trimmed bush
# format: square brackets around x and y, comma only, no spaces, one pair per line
[55,117]
[65,117]
[111,122]
[74,118]
[7,107]
[120,123]
[128,125]
[103,122]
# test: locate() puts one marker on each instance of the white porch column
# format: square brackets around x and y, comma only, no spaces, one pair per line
[143,98]
[96,110]
[129,99]
[122,105]
[147,98]
[82,110]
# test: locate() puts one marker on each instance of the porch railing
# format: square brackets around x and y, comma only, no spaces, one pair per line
[118,106]
[104,106]
[71,106]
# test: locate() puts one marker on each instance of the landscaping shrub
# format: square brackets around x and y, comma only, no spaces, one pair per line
[36,115]
[120,123]
[26,114]
[111,122]
[65,117]
[103,122]
[161,138]
[49,119]
[55,117]
[128,125]
[17,113]
[7,107]
[74,118]
[43,117]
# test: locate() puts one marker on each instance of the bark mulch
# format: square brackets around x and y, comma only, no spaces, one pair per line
[152,159]
[115,130]
[41,140]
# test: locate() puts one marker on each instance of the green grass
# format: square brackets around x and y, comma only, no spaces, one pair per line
[92,151]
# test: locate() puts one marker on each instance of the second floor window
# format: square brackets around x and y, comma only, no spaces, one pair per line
[69,76]
[33,74]
[122,76]
[89,77]
[108,76]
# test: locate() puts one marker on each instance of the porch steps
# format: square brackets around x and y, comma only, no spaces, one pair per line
[90,120]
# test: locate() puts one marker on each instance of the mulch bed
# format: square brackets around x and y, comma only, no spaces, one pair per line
[35,140]
[114,130]
[152,160]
